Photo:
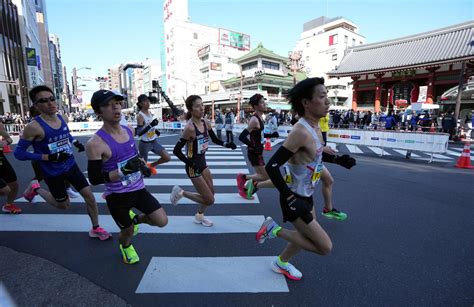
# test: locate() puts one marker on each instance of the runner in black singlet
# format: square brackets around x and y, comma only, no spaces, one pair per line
[196,139]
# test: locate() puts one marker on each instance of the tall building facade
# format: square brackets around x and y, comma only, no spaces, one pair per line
[196,55]
[30,40]
[43,35]
[57,68]
[114,81]
[13,98]
[323,43]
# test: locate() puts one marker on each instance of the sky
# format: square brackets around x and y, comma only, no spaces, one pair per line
[101,33]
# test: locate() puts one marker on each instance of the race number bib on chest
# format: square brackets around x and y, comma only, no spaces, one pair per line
[202,145]
[150,133]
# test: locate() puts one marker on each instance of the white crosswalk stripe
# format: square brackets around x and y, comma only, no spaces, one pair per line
[164,198]
[404,152]
[82,223]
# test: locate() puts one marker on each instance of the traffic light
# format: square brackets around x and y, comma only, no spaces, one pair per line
[101,79]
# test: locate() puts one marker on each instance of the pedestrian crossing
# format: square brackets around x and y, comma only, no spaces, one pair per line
[451,155]
[223,274]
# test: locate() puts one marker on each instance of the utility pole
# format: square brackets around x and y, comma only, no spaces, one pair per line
[296,64]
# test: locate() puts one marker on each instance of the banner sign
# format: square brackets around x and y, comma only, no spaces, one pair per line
[420,141]
[234,39]
[31,57]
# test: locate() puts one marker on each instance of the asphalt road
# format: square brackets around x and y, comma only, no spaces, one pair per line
[408,240]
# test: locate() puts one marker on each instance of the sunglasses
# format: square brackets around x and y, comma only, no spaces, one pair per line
[45,100]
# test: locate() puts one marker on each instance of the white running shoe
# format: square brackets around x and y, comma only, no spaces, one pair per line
[288,270]
[176,195]
[201,219]
[72,193]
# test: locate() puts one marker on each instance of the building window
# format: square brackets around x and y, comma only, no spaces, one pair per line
[195,35]
[346,38]
[270,65]
[353,42]
[307,58]
[334,57]
[333,40]
[307,44]
[360,43]
[249,66]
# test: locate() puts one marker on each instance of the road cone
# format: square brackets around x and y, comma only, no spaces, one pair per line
[6,147]
[268,145]
[464,160]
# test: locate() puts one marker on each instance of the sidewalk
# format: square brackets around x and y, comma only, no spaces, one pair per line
[34,281]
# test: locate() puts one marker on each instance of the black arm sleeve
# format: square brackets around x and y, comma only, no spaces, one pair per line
[178,153]
[329,158]
[271,135]
[96,176]
[281,156]
[142,130]
[214,138]
[243,137]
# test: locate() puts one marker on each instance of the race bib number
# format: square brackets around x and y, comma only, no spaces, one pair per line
[316,176]
[62,145]
[130,178]
[202,145]
[150,134]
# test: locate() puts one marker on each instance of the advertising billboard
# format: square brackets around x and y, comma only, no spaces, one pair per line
[234,39]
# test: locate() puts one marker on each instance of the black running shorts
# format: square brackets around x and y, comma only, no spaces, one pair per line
[119,205]
[58,187]
[6,170]
[302,210]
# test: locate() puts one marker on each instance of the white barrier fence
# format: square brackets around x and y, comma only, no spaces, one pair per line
[419,141]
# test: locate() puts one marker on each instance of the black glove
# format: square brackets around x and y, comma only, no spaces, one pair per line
[345,161]
[132,166]
[144,169]
[79,146]
[58,157]
[230,145]
[157,132]
[154,123]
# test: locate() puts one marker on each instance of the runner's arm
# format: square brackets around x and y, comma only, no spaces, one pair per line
[243,137]
[187,136]
[281,156]
[29,134]
[95,151]
[216,140]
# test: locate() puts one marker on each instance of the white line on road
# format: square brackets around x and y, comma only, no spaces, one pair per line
[82,223]
[226,163]
[164,198]
[217,171]
[377,150]
[241,157]
[227,153]
[186,182]
[353,149]
[211,275]
[404,152]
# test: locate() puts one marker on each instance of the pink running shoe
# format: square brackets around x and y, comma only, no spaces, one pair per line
[99,233]
[30,192]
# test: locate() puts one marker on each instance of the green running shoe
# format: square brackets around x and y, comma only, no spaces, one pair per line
[334,214]
[250,188]
[135,227]
[129,254]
